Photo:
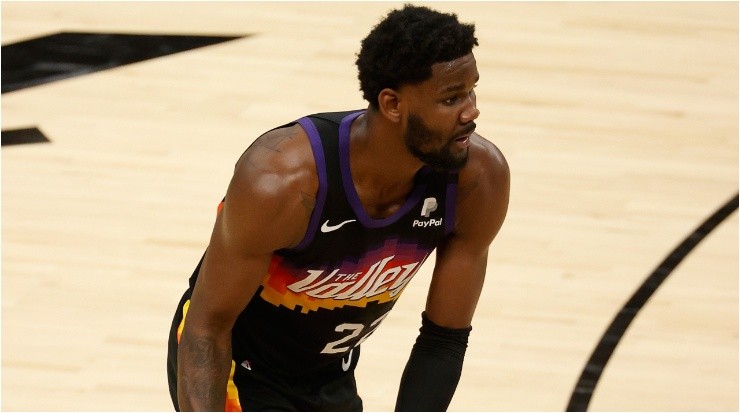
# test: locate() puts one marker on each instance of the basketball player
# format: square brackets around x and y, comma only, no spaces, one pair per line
[325,222]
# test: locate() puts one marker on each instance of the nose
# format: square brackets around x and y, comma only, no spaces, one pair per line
[471,112]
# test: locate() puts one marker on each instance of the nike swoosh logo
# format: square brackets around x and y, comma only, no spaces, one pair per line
[348,362]
[329,228]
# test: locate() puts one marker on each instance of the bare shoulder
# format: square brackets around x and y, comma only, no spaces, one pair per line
[284,151]
[273,190]
[486,170]
[483,189]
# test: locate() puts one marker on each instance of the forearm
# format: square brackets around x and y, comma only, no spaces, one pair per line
[431,375]
[204,363]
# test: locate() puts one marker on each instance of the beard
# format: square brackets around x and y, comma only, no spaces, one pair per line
[446,158]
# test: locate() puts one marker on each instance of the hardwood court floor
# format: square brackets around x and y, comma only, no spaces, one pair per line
[619,122]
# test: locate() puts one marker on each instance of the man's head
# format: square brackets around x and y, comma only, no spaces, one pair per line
[417,69]
[402,48]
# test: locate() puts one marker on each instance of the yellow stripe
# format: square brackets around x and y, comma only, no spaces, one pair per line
[232,393]
[185,308]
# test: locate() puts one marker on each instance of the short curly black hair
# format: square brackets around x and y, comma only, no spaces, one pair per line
[402,48]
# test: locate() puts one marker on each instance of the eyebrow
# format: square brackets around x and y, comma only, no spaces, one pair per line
[456,86]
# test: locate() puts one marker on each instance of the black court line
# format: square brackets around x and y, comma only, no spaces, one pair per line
[581,396]
[22,136]
[69,54]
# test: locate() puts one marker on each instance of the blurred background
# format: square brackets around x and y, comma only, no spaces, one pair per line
[619,121]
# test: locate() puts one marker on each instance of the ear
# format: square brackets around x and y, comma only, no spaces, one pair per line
[390,105]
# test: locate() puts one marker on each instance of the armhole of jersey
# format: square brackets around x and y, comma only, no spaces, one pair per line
[451,200]
[318,155]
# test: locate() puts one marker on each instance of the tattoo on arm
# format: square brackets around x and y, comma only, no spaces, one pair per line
[269,142]
[273,142]
[308,201]
[204,370]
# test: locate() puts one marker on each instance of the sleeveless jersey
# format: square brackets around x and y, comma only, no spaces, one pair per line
[324,297]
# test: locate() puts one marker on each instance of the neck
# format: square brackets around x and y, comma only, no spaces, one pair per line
[383,170]
[378,151]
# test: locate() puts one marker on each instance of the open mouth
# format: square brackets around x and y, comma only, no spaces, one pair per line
[463,141]
[467,132]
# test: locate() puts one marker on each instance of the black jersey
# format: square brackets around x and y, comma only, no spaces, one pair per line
[324,297]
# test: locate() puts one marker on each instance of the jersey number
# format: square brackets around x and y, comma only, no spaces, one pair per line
[354,329]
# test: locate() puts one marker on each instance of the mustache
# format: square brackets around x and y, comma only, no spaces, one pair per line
[469,128]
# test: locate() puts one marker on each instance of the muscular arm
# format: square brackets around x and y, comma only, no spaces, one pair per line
[431,375]
[264,210]
[460,268]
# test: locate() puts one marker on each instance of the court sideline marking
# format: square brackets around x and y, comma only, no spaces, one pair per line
[581,396]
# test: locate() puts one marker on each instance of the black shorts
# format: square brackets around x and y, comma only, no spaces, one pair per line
[248,390]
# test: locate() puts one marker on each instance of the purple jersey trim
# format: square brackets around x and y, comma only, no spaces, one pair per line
[450,201]
[349,186]
[318,155]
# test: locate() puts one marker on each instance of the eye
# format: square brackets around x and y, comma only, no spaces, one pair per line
[450,101]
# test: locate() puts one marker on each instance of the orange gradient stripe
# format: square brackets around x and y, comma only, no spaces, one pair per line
[291,300]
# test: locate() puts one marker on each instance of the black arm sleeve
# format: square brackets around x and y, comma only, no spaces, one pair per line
[433,370]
